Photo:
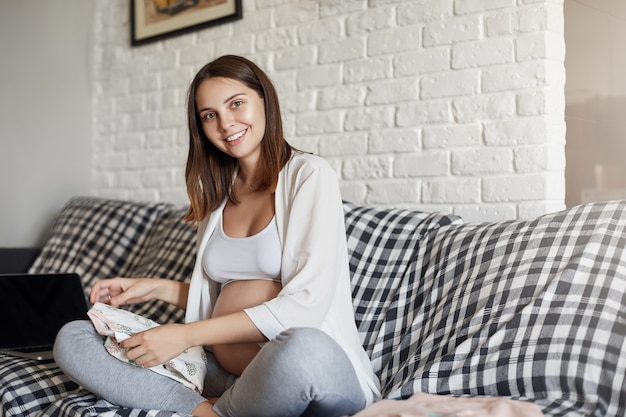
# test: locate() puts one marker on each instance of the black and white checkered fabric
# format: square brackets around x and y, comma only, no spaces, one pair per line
[169,253]
[530,310]
[382,245]
[101,238]
[97,238]
[29,387]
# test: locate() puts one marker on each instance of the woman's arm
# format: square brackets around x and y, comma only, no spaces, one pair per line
[121,291]
[160,344]
[230,328]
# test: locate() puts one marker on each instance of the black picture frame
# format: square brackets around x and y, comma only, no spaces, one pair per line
[154,20]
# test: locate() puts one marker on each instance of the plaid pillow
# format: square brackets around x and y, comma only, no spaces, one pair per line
[169,252]
[32,388]
[382,244]
[97,238]
[522,309]
[29,386]
[100,238]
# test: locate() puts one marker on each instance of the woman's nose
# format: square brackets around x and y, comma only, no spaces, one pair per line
[226,120]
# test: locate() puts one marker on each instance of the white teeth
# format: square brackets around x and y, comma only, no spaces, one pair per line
[235,136]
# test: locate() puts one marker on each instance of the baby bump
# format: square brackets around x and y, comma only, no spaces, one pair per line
[235,297]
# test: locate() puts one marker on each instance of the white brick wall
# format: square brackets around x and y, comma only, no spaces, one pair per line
[453,105]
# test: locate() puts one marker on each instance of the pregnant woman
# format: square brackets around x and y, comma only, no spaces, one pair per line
[269,298]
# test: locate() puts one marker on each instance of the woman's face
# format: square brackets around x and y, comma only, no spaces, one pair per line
[233,117]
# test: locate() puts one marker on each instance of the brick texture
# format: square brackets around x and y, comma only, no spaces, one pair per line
[450,105]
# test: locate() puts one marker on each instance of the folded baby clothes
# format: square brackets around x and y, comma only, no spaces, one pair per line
[188,368]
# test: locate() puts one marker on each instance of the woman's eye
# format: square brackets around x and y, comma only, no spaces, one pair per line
[237,103]
[209,116]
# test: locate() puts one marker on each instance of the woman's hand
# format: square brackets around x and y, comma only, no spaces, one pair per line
[121,291]
[157,345]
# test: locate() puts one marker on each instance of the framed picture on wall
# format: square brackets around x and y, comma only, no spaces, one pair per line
[152,20]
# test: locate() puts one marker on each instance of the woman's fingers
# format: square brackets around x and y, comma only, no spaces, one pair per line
[119,291]
[142,356]
[134,350]
[104,290]
[154,346]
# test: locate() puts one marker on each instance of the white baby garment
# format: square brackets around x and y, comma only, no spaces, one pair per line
[189,368]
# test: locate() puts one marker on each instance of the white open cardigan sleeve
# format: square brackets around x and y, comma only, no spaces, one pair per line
[314,254]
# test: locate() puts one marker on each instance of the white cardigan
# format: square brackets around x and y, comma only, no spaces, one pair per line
[314,271]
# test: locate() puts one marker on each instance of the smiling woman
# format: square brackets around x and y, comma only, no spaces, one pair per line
[247,86]
[269,298]
[233,119]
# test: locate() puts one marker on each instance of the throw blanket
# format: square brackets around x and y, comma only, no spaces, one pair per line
[533,310]
[189,368]
[428,405]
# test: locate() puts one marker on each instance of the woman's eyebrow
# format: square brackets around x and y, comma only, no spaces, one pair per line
[225,101]
[233,96]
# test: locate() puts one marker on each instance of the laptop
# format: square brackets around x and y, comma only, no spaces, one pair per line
[33,309]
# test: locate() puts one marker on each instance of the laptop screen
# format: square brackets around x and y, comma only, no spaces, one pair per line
[35,306]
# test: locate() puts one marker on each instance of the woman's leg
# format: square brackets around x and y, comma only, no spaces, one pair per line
[302,372]
[79,351]
[217,379]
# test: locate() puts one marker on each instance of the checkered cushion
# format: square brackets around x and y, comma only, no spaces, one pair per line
[28,387]
[31,388]
[531,310]
[382,243]
[169,252]
[524,309]
[100,238]
[97,238]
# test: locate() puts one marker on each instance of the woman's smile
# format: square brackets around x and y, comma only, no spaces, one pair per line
[233,117]
[236,138]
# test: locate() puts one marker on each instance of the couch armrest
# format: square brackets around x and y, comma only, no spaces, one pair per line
[17,260]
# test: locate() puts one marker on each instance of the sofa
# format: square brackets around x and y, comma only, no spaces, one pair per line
[532,311]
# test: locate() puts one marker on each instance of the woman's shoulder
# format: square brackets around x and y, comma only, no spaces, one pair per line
[303,160]
[304,166]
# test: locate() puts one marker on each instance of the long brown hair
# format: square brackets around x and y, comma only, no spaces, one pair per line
[209,172]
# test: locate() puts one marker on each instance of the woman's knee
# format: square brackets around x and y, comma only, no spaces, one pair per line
[301,368]
[303,339]
[307,347]
[67,342]
[73,331]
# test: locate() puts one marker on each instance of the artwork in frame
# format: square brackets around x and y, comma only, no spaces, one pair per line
[152,20]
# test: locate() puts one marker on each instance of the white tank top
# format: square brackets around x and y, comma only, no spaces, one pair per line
[226,259]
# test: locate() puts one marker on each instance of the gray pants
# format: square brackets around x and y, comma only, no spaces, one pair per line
[302,372]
